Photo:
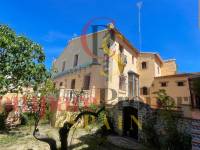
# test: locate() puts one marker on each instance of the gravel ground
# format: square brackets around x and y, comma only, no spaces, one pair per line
[22,139]
[83,139]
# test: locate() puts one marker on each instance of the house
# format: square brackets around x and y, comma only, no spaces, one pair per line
[158,74]
[105,68]
[150,66]
[176,86]
[103,77]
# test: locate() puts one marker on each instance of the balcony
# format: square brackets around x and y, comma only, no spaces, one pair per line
[72,70]
[72,94]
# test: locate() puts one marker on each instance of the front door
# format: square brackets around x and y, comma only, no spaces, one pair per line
[130,127]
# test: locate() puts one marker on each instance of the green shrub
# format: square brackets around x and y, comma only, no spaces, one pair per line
[27,118]
[93,107]
[48,114]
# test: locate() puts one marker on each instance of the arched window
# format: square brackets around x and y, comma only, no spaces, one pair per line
[144,65]
[145,91]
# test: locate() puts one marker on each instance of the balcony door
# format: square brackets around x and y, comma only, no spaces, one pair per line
[132,84]
[86,83]
[73,82]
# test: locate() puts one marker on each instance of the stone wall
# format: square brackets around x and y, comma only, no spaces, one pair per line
[116,114]
[195,132]
[190,126]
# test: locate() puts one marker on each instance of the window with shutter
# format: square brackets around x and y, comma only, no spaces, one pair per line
[144,65]
[86,84]
[145,91]
[75,60]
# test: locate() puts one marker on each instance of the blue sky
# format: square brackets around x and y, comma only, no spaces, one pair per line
[169,27]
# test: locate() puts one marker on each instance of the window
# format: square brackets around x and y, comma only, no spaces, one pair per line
[145,91]
[86,84]
[158,70]
[163,84]
[121,48]
[63,65]
[186,99]
[73,82]
[61,83]
[122,82]
[180,83]
[65,83]
[144,65]
[179,101]
[133,59]
[75,60]
[131,84]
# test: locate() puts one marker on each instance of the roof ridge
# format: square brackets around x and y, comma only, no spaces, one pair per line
[172,59]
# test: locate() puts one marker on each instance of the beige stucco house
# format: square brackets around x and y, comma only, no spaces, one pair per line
[107,77]
[158,74]
[105,68]
[116,70]
[176,86]
[151,65]
[110,71]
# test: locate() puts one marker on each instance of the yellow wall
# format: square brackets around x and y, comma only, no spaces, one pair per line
[156,67]
[98,80]
[172,89]
[74,47]
[114,70]
[152,75]
[169,68]
[147,75]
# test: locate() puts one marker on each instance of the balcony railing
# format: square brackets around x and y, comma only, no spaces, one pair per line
[72,70]
[72,94]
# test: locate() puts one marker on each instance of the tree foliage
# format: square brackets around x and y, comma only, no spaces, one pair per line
[21,62]
[164,101]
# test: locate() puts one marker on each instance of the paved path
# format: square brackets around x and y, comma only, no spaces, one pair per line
[124,142]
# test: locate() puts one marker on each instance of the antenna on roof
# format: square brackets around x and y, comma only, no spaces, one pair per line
[139,5]
[199,12]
